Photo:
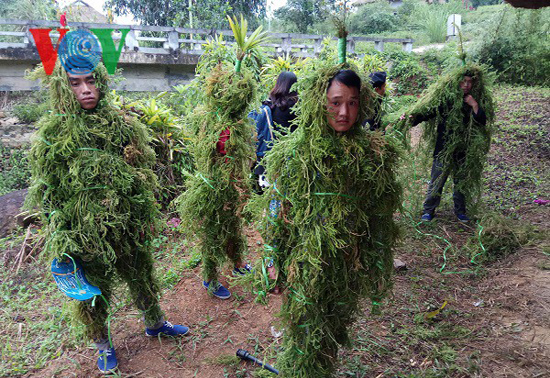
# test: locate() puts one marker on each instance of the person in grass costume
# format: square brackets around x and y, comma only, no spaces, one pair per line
[223,150]
[330,220]
[458,114]
[93,183]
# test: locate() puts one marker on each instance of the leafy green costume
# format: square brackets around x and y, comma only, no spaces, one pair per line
[212,204]
[92,181]
[333,233]
[466,142]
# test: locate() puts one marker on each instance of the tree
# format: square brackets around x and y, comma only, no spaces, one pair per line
[28,9]
[373,18]
[204,13]
[300,15]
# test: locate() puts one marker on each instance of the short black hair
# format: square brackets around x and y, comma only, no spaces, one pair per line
[378,79]
[347,77]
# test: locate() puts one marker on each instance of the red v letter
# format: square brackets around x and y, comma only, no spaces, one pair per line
[48,55]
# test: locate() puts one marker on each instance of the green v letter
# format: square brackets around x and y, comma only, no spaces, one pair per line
[110,53]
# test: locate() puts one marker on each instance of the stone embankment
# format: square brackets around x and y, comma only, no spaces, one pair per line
[14,133]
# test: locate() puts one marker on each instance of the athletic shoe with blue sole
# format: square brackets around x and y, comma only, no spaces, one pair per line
[167,329]
[219,291]
[107,360]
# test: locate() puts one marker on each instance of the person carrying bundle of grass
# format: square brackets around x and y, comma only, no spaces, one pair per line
[93,183]
[458,114]
[330,222]
[223,149]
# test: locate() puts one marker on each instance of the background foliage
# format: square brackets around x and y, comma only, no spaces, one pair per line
[205,13]
[515,44]
[14,169]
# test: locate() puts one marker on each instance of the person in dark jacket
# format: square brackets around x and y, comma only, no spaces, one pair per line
[378,81]
[462,136]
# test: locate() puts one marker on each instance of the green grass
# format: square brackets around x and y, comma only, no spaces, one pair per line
[35,317]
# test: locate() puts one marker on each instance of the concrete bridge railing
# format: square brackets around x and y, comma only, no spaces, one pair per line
[188,40]
[168,51]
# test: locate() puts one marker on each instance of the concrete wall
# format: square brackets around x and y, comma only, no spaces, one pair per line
[154,78]
[137,77]
[12,75]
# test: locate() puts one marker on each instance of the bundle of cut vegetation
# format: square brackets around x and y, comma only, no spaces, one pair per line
[173,159]
[497,238]
[330,229]
[223,149]
[466,142]
[216,50]
[93,183]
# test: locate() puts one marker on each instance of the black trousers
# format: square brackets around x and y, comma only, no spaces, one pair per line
[435,188]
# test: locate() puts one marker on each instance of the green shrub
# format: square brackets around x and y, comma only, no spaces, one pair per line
[439,60]
[515,44]
[373,18]
[409,76]
[32,108]
[14,169]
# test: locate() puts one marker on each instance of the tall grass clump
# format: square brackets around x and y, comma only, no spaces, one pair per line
[432,18]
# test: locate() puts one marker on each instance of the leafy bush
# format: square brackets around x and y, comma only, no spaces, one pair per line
[373,18]
[409,76]
[14,169]
[438,61]
[32,108]
[173,161]
[515,44]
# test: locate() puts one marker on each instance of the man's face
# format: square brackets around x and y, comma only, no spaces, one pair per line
[85,90]
[381,90]
[342,105]
[466,85]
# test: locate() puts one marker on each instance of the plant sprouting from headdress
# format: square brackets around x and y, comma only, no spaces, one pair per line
[245,44]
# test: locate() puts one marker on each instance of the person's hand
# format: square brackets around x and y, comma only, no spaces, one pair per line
[468,99]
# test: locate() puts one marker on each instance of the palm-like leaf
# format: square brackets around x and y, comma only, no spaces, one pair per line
[244,43]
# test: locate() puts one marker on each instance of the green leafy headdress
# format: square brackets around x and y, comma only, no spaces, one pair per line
[332,237]
[212,204]
[466,143]
[91,176]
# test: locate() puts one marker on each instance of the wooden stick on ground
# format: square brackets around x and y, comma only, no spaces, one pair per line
[22,251]
[36,246]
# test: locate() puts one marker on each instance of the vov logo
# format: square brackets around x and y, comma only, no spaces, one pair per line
[79,51]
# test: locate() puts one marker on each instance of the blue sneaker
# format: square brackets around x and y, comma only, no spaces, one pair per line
[243,271]
[168,329]
[427,217]
[107,360]
[463,218]
[219,291]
